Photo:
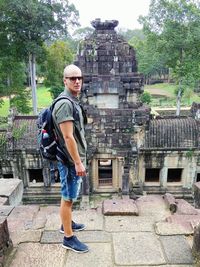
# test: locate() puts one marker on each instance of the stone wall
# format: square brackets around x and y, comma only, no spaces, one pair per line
[5,241]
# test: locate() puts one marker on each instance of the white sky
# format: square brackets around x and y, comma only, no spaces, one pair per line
[125,11]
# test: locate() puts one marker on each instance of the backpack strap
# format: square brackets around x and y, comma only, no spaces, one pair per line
[75,111]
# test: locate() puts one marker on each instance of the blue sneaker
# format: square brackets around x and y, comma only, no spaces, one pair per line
[75,227]
[74,244]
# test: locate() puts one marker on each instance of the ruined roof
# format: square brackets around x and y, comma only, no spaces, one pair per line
[172,133]
[25,132]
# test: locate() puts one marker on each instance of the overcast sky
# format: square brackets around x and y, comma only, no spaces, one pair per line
[125,11]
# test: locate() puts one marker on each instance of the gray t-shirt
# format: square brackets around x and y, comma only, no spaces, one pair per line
[63,111]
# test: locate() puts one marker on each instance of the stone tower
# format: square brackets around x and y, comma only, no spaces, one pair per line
[112,87]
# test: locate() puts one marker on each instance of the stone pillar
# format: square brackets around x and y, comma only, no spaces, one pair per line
[196,189]
[5,241]
[196,244]
[85,185]
[163,177]
[46,173]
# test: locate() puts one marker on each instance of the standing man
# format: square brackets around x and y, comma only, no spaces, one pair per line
[74,146]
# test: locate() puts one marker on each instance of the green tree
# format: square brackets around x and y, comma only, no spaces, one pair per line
[173,28]
[12,83]
[58,56]
[145,97]
[29,23]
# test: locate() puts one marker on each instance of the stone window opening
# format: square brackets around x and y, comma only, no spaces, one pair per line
[105,172]
[152,175]
[174,175]
[8,175]
[198,177]
[35,175]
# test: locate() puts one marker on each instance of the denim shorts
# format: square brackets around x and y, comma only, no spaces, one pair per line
[70,182]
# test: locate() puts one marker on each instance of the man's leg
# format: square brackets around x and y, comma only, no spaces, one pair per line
[66,217]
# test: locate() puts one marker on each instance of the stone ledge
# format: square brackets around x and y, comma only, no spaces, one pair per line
[119,207]
[12,190]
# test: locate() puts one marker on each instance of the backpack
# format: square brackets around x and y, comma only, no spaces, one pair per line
[48,144]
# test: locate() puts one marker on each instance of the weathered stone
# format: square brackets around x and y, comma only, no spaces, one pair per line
[183,207]
[25,236]
[152,205]
[5,210]
[52,222]
[3,201]
[171,202]
[196,243]
[5,241]
[49,237]
[137,249]
[129,223]
[196,189]
[99,255]
[119,207]
[22,217]
[12,189]
[92,219]
[177,250]
[35,254]
[166,228]
[187,221]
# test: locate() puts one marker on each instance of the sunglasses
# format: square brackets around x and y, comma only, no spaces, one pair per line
[73,79]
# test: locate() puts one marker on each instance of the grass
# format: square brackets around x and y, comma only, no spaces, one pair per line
[166,87]
[4,109]
[163,95]
[43,96]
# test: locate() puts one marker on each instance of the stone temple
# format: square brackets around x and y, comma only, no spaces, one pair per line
[129,152]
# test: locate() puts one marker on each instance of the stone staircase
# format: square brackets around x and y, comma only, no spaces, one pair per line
[38,194]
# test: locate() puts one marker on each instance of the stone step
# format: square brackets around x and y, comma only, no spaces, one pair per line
[41,195]
[41,199]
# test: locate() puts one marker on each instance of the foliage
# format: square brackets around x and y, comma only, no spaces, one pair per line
[17,133]
[30,22]
[190,154]
[58,56]
[131,34]
[145,97]
[26,24]
[172,27]
[81,33]
[12,83]
[2,140]
[21,101]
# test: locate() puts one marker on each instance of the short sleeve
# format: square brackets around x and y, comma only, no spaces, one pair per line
[64,112]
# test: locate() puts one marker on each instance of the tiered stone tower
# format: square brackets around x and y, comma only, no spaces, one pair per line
[112,87]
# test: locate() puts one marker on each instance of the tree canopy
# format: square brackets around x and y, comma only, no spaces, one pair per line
[26,24]
[172,29]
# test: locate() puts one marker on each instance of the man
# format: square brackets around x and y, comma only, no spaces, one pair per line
[74,146]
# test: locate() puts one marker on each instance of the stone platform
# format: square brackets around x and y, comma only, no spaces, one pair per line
[148,239]
[11,191]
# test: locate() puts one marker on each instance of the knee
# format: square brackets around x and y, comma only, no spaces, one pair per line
[67,203]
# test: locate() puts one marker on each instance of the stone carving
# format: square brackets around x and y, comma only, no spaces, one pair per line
[107,25]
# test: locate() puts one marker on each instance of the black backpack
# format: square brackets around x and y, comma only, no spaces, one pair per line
[48,144]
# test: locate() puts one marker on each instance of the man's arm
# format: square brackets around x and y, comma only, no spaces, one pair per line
[67,132]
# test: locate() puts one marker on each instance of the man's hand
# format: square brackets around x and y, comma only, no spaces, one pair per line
[80,169]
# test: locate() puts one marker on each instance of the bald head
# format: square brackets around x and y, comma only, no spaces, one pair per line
[73,79]
[72,70]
